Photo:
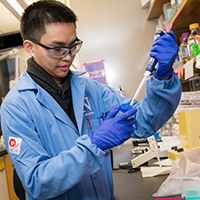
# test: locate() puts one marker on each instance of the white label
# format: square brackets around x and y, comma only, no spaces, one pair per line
[15,145]
[189,69]
[198,62]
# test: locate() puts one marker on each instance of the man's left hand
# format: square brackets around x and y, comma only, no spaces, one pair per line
[165,51]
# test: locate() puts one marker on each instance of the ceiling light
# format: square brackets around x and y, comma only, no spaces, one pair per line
[16,6]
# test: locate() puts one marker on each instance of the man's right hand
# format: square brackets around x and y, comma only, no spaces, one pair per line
[114,130]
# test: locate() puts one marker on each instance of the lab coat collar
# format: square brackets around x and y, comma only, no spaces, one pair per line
[30,84]
[25,82]
[78,85]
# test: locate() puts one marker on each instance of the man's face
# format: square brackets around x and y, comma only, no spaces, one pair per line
[57,34]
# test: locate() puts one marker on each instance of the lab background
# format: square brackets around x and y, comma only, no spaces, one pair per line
[116,31]
[121,33]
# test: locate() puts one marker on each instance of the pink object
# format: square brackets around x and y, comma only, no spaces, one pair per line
[169,27]
[168,199]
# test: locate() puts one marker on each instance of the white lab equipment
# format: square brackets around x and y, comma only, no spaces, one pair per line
[121,90]
[151,153]
[8,54]
[15,53]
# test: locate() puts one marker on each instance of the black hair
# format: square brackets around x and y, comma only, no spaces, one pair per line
[41,13]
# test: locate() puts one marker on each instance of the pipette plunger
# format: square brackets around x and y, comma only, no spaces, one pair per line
[151,67]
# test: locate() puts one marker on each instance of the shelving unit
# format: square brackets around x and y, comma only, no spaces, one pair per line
[188,13]
[156,9]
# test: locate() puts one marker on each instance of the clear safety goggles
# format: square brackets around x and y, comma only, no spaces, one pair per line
[60,51]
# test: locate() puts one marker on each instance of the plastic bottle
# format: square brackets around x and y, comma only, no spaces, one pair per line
[194,46]
[192,42]
[184,47]
[174,5]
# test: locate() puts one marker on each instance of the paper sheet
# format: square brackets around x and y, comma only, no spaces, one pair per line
[154,171]
[165,163]
[189,69]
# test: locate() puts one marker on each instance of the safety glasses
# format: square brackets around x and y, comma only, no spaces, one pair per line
[60,51]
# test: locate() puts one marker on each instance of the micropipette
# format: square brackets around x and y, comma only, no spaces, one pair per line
[151,67]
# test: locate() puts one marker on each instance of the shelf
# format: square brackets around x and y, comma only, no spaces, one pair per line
[187,14]
[156,9]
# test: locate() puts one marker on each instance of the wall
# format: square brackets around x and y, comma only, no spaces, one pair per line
[116,31]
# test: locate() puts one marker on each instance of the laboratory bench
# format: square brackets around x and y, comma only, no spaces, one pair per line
[132,186]
[127,186]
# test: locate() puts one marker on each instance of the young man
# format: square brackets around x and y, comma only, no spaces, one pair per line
[50,119]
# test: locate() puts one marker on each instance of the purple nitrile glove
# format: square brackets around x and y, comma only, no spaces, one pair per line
[165,51]
[114,130]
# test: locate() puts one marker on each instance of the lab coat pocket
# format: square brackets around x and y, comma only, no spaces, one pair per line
[92,124]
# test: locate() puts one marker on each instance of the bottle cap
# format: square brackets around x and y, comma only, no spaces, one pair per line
[195,25]
[125,107]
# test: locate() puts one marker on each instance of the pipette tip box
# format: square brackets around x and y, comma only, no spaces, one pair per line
[191,190]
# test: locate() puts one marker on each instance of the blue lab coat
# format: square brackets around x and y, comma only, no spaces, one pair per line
[56,161]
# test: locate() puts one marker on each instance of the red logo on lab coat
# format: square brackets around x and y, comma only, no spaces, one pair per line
[12,142]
